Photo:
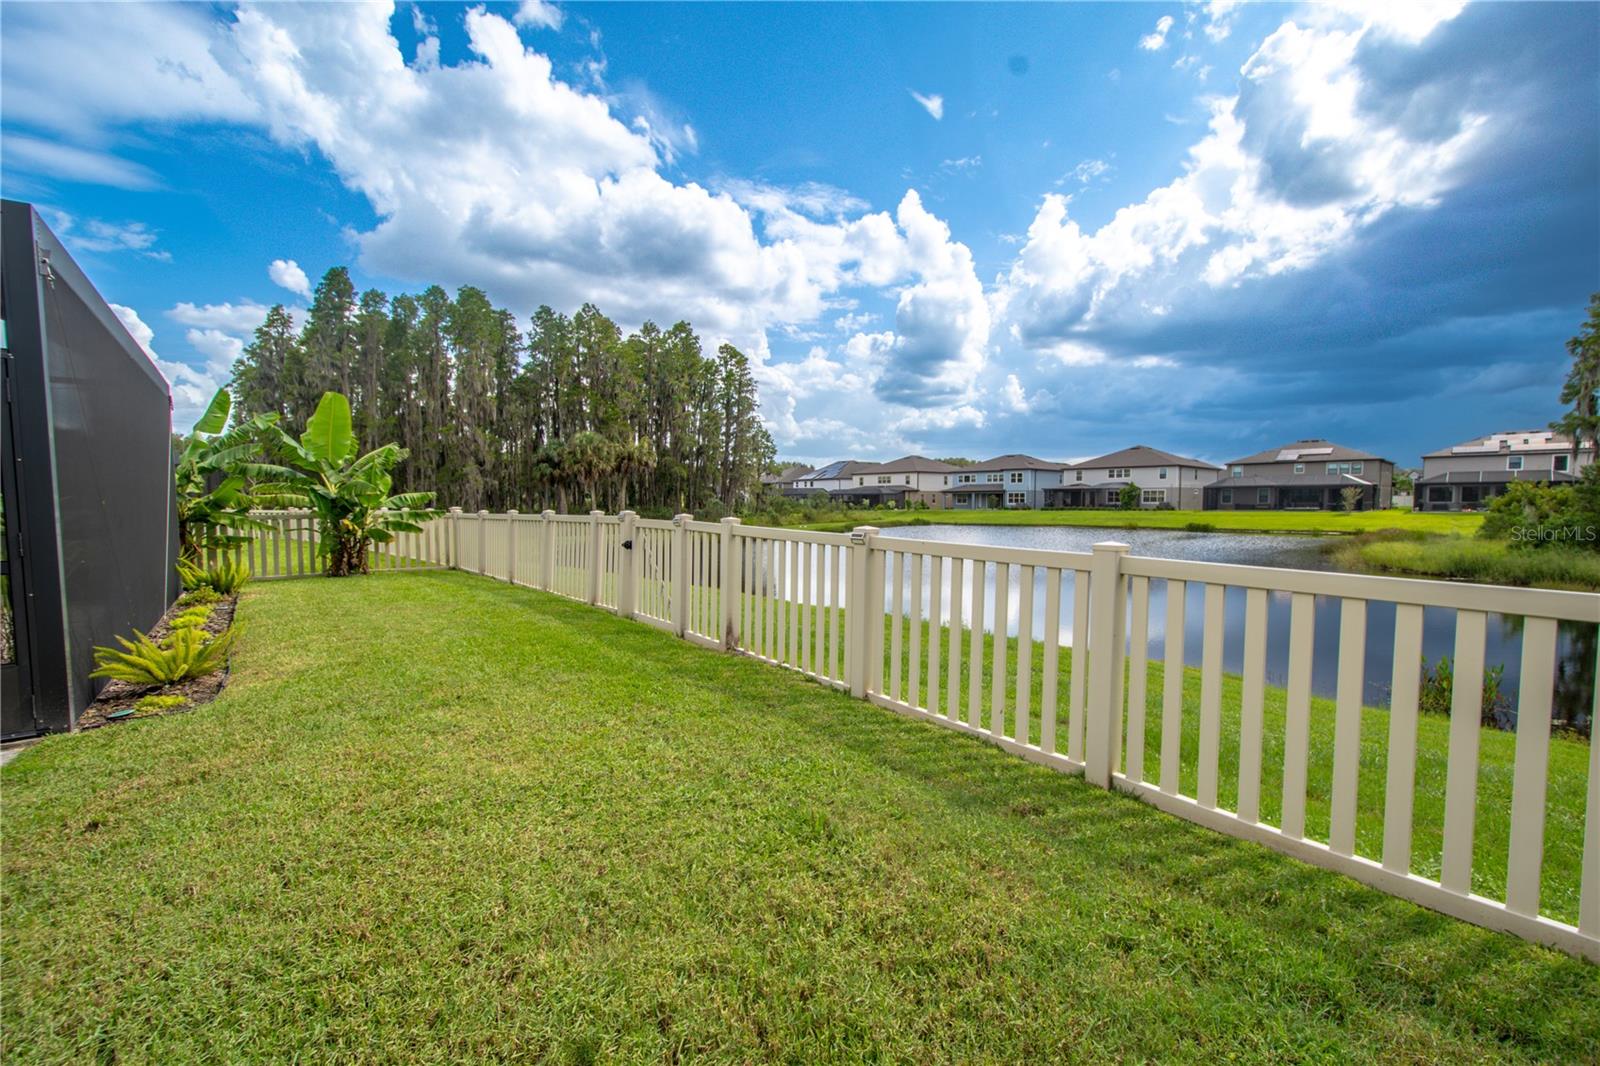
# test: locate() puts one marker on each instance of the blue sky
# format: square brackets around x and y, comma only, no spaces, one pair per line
[952,229]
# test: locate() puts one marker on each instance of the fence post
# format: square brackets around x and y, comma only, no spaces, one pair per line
[857,636]
[728,591]
[511,547]
[452,554]
[594,556]
[1103,711]
[483,541]
[627,572]
[680,573]
[547,562]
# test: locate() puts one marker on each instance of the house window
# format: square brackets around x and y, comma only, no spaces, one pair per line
[1263,495]
[1299,468]
[1016,477]
[1513,462]
[1237,471]
[965,479]
[947,479]
[1227,495]
[861,481]
[995,478]
[1355,468]
[1153,496]
[1163,473]
[885,479]
[1343,468]
[1563,464]
[1080,476]
[1016,499]
[1120,473]
[908,479]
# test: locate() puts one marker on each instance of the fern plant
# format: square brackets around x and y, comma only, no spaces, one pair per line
[193,618]
[158,702]
[224,577]
[185,654]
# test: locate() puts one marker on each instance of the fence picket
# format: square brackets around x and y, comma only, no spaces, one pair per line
[1076,693]
[1049,681]
[1210,696]
[1297,723]
[1531,765]
[897,562]
[975,648]
[1252,700]
[935,627]
[1023,729]
[999,646]
[1400,787]
[1172,687]
[1461,776]
[1347,725]
[957,618]
[914,654]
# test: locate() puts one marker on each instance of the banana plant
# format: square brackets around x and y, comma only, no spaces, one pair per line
[213,495]
[348,493]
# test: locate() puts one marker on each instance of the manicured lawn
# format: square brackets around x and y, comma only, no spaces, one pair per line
[437,818]
[1327,522]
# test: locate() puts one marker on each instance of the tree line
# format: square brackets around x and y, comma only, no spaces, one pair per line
[567,413]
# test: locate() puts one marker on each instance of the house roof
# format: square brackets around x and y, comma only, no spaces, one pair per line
[785,476]
[871,490]
[909,464]
[1508,442]
[1288,481]
[1015,461]
[1311,450]
[839,469]
[1142,455]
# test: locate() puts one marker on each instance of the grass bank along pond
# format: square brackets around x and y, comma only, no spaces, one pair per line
[1574,684]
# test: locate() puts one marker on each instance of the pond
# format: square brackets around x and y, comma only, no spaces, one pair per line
[1575,653]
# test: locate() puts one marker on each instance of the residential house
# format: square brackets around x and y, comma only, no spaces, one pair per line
[1163,480]
[1004,481]
[906,481]
[783,480]
[1468,476]
[1304,475]
[835,475]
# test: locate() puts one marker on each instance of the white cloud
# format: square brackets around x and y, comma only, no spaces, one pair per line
[1219,16]
[932,103]
[1085,172]
[240,319]
[1290,169]
[97,235]
[219,349]
[192,389]
[1154,42]
[286,273]
[539,14]
[64,161]
[1014,396]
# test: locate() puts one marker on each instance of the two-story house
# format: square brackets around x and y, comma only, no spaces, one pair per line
[783,481]
[830,478]
[1163,480]
[1307,475]
[909,480]
[1466,477]
[1004,481]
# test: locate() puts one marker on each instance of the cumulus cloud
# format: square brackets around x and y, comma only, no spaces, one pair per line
[64,161]
[1291,168]
[286,274]
[539,14]
[932,103]
[192,388]
[1157,40]
[237,318]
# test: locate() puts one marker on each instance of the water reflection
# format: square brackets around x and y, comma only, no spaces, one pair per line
[1575,652]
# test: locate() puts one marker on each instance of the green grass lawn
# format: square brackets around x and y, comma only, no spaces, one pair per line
[1325,522]
[437,818]
[1495,562]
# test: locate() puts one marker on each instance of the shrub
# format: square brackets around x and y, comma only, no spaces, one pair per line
[1200,527]
[223,578]
[1438,690]
[201,596]
[1128,497]
[193,618]
[159,702]
[186,653]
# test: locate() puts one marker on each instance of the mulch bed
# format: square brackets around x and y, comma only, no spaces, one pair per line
[121,695]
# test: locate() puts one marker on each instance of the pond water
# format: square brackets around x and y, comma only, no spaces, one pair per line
[1575,653]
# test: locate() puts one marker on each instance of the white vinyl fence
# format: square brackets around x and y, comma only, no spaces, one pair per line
[930,643]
